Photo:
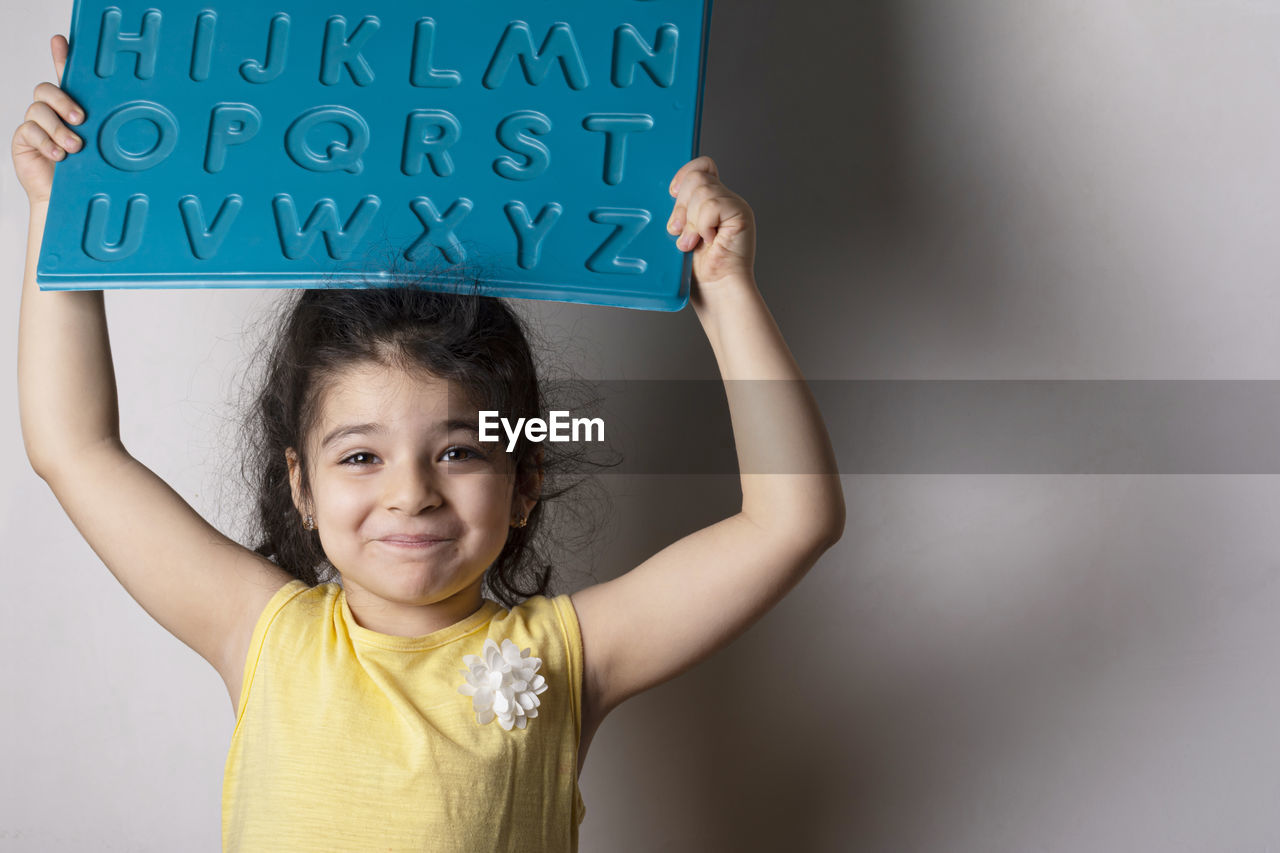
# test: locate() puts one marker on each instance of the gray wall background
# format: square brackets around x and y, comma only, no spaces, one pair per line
[1065,189]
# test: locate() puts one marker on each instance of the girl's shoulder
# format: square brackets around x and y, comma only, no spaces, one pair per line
[545,627]
[299,595]
[541,616]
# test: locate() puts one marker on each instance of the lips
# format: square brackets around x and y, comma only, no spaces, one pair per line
[412,540]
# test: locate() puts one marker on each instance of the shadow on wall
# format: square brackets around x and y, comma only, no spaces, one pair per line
[801,115]
[884,249]
[948,678]
[802,112]
[795,738]
[809,95]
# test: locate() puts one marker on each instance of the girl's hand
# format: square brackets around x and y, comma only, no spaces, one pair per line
[43,139]
[715,223]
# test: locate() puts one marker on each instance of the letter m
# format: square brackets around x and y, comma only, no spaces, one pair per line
[517,43]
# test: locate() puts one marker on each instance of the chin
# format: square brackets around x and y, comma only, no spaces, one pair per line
[422,587]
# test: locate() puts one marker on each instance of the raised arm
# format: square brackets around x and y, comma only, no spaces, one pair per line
[66,386]
[696,595]
[201,586]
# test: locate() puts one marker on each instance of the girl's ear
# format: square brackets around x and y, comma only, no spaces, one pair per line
[521,506]
[295,479]
[528,489]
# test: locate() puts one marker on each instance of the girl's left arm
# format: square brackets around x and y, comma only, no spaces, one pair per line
[699,593]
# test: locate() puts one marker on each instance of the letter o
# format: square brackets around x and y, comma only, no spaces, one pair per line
[116,155]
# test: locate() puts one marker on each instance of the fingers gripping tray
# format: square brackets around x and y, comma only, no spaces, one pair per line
[326,143]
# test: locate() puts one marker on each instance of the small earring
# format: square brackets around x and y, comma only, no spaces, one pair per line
[520,522]
[309,523]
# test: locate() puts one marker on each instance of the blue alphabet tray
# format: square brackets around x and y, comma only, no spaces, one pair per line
[307,143]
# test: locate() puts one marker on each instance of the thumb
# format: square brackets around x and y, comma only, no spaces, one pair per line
[59,47]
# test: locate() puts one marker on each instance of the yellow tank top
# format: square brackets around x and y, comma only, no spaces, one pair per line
[349,740]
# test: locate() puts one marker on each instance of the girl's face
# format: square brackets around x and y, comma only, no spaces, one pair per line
[411,508]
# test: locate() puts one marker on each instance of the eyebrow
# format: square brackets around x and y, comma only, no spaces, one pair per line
[466,426]
[342,432]
[349,429]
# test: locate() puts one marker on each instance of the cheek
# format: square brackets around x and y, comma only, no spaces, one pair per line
[346,501]
[487,499]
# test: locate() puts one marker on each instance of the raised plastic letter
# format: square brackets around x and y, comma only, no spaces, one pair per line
[517,42]
[616,128]
[628,223]
[202,46]
[95,228]
[437,230]
[421,70]
[277,53]
[145,44]
[339,240]
[229,124]
[419,146]
[340,51]
[205,240]
[166,127]
[529,234]
[513,135]
[337,157]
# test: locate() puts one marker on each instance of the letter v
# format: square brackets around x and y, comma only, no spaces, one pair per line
[205,241]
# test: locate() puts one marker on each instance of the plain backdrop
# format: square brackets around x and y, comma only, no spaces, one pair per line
[968,189]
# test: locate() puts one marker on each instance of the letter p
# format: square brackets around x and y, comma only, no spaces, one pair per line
[229,124]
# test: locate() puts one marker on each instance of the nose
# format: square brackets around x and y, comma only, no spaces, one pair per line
[411,488]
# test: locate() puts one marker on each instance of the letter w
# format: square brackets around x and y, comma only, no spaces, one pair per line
[340,240]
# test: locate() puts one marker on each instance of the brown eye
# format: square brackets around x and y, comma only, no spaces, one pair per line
[460,454]
[359,459]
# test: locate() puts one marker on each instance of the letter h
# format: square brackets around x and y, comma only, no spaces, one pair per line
[145,44]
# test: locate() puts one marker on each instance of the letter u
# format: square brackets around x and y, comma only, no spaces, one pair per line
[95,228]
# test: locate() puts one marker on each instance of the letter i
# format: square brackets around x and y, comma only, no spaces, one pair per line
[202,48]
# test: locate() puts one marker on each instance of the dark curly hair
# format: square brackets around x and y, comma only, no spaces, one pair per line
[476,341]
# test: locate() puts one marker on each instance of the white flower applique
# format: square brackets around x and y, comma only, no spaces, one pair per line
[503,683]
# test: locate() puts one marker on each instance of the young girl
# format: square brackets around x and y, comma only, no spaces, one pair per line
[397,709]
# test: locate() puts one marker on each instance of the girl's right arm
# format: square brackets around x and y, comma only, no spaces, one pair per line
[205,589]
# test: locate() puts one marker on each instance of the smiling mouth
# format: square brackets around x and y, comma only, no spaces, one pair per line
[413,541]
